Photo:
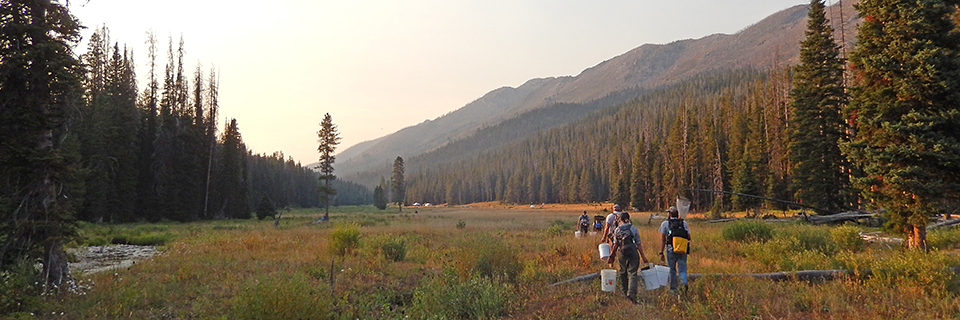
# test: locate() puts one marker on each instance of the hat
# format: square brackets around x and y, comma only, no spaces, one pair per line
[672,209]
[616,207]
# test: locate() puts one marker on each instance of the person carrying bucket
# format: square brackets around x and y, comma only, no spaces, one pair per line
[610,224]
[675,243]
[583,223]
[626,245]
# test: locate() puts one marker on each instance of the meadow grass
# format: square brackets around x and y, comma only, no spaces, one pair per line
[480,262]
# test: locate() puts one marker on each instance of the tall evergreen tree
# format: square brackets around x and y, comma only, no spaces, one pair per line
[905,109]
[148,195]
[817,165]
[398,188]
[233,175]
[40,87]
[379,196]
[329,138]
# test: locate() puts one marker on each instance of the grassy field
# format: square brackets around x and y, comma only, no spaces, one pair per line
[491,261]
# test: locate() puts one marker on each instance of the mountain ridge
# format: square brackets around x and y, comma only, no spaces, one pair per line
[771,42]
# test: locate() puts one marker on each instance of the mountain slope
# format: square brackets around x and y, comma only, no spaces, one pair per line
[774,41]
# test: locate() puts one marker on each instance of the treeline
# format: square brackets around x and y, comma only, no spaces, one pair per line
[286,183]
[157,155]
[723,131]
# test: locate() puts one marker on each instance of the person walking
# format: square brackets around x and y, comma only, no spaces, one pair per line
[610,224]
[675,244]
[627,248]
[583,223]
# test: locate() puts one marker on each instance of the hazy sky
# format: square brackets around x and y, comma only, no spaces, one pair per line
[380,66]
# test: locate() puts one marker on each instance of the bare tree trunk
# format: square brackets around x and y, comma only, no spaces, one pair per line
[918,238]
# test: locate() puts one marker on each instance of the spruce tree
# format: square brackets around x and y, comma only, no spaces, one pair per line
[398,188]
[233,173]
[905,109]
[329,138]
[817,175]
[148,198]
[40,89]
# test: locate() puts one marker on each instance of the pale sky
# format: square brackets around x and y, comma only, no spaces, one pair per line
[380,66]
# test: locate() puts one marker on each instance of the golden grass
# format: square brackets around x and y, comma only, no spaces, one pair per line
[250,269]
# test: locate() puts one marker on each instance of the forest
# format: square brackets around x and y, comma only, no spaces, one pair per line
[845,129]
[157,154]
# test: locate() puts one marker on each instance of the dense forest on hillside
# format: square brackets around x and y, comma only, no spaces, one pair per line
[707,133]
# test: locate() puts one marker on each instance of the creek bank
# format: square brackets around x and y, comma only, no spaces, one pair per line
[93,259]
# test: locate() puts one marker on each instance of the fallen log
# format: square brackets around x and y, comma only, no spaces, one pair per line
[875,237]
[805,275]
[944,224]
[722,220]
[840,217]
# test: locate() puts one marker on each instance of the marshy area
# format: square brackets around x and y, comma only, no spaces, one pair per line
[488,261]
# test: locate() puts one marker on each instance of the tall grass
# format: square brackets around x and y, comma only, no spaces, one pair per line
[500,266]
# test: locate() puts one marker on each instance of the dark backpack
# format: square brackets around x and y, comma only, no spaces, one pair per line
[584,220]
[676,229]
[624,237]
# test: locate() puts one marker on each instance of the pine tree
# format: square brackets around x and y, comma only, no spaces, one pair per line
[818,95]
[396,182]
[905,110]
[329,138]
[40,88]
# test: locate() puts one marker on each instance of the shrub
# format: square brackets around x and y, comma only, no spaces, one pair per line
[559,227]
[344,238]
[486,257]
[748,231]
[943,239]
[449,297]
[848,238]
[461,224]
[914,269]
[19,290]
[812,239]
[394,249]
[391,247]
[283,297]
[266,208]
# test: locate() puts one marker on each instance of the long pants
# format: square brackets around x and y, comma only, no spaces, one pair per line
[629,264]
[678,264]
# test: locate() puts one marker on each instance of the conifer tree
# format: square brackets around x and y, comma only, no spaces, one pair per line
[233,173]
[40,89]
[379,196]
[817,175]
[148,195]
[638,181]
[329,138]
[905,109]
[398,188]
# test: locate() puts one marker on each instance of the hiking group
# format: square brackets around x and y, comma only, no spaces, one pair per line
[624,240]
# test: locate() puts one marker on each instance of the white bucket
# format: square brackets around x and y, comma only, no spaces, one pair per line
[663,274]
[608,279]
[650,279]
[604,250]
[578,233]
